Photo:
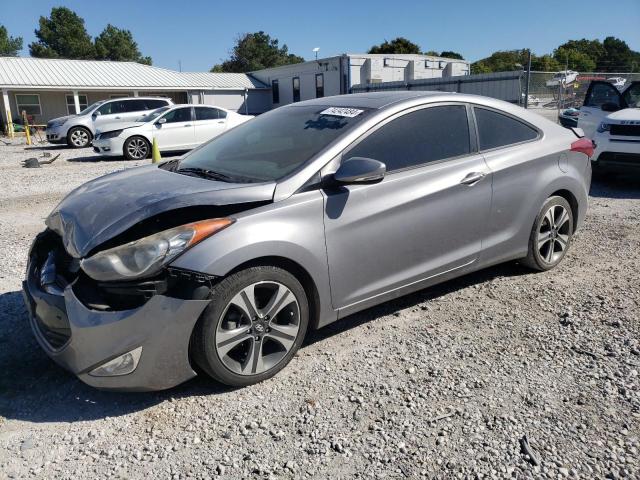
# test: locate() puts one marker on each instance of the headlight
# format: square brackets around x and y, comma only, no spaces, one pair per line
[145,257]
[604,127]
[111,134]
[58,123]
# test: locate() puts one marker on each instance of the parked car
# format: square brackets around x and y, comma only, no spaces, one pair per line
[612,119]
[180,127]
[569,117]
[78,130]
[226,257]
[565,77]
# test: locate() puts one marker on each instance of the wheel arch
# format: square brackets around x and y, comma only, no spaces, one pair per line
[298,271]
[573,203]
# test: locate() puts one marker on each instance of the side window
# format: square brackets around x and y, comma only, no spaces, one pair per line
[179,115]
[600,93]
[152,104]
[135,105]
[498,130]
[205,113]
[105,109]
[119,106]
[417,138]
[632,95]
[296,89]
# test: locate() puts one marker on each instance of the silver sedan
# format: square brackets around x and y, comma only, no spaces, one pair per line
[227,257]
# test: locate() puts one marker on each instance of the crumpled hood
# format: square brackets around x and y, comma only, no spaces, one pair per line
[61,120]
[107,206]
[626,114]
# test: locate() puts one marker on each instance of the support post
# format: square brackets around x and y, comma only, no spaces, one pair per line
[526,86]
[7,110]
[135,93]
[246,101]
[76,100]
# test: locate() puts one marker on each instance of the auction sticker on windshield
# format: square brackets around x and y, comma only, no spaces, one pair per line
[342,112]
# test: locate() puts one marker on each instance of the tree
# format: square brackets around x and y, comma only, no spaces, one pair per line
[450,54]
[545,63]
[501,61]
[574,59]
[62,35]
[591,48]
[617,57]
[255,51]
[397,45]
[9,46]
[117,44]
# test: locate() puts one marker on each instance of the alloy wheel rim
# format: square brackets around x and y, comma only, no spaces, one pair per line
[79,138]
[137,148]
[258,328]
[553,234]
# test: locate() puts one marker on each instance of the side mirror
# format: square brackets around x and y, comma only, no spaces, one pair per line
[97,113]
[609,107]
[360,170]
[161,121]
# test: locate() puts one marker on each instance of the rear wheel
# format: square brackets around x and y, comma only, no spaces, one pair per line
[254,325]
[136,148]
[551,235]
[79,137]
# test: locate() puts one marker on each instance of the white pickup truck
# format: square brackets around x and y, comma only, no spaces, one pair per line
[612,119]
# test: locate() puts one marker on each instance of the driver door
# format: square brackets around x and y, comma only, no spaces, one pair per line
[174,130]
[591,112]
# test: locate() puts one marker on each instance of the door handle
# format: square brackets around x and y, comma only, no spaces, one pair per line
[117,118]
[187,125]
[472,178]
[220,121]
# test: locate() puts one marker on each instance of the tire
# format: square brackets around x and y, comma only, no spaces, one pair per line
[136,148]
[551,235]
[79,137]
[238,344]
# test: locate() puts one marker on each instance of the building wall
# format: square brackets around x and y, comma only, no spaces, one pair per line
[258,101]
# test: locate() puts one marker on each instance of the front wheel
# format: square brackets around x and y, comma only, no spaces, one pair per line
[551,235]
[79,137]
[136,148]
[255,324]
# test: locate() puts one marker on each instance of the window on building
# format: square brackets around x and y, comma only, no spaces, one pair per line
[71,106]
[29,103]
[319,85]
[418,138]
[498,130]
[296,89]
[275,91]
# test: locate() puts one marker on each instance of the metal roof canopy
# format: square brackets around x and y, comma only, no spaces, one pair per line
[45,73]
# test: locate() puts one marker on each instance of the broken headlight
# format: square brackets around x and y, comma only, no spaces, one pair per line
[146,256]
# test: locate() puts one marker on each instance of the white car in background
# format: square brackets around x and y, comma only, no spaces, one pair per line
[612,119]
[564,78]
[78,130]
[175,128]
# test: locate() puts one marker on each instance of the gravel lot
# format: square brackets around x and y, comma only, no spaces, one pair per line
[442,383]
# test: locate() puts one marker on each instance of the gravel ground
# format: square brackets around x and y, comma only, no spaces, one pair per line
[446,382]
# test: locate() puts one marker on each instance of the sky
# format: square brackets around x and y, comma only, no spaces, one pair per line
[199,33]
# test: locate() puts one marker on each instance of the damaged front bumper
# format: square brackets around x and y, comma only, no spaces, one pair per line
[83,334]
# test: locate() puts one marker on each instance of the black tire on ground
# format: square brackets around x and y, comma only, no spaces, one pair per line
[79,137]
[136,148]
[203,341]
[550,240]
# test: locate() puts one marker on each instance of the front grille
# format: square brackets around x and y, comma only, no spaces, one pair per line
[625,130]
[631,159]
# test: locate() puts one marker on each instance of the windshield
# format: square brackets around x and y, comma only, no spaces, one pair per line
[275,144]
[91,107]
[147,117]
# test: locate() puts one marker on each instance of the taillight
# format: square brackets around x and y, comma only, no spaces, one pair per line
[583,145]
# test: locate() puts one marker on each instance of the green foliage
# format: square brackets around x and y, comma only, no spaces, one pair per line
[255,51]
[62,35]
[397,45]
[9,46]
[610,55]
[117,44]
[450,54]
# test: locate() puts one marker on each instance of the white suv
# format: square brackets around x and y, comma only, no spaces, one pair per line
[78,130]
[612,119]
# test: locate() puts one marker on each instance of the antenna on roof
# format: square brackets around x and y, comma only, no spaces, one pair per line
[316,50]
[179,65]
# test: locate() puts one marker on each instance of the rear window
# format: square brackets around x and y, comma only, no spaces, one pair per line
[152,104]
[498,130]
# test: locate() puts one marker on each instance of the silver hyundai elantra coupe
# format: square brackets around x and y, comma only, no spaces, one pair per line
[225,258]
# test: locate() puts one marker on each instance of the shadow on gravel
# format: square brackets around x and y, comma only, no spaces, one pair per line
[46,146]
[33,388]
[615,185]
[102,158]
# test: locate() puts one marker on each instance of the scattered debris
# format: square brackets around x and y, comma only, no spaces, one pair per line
[528,451]
[35,163]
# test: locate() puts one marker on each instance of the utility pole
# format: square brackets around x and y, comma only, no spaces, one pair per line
[526,87]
